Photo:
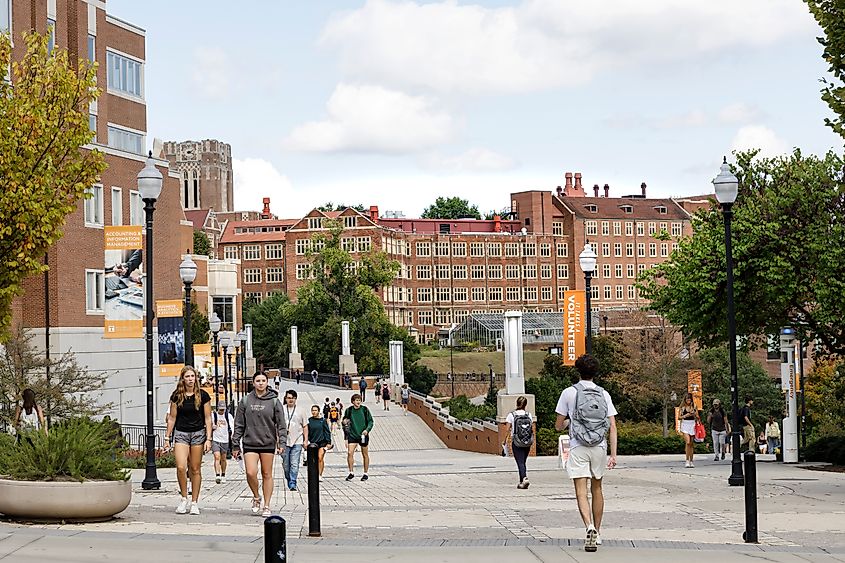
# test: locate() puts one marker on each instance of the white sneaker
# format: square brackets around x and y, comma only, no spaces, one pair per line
[598,538]
[195,509]
[183,506]
[217,479]
[687,464]
[590,543]
[321,478]
[222,478]
[691,464]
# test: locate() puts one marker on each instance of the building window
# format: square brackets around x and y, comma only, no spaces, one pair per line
[252,276]
[617,249]
[136,208]
[605,249]
[51,29]
[630,271]
[677,229]
[302,271]
[494,294]
[477,271]
[424,295]
[652,228]
[511,249]
[253,296]
[605,271]
[608,292]
[631,290]
[424,317]
[563,271]
[629,249]
[224,307]
[442,316]
[124,74]
[605,228]
[459,249]
[423,249]
[620,292]
[92,48]
[674,246]
[92,125]
[461,315]
[629,228]
[441,248]
[443,271]
[424,272]
[494,249]
[302,246]
[546,271]
[275,275]
[94,207]
[274,251]
[529,271]
[116,206]
[347,244]
[460,294]
[641,249]
[512,271]
[640,268]
[545,250]
[640,229]
[94,291]
[459,272]
[478,294]
[664,249]
[561,292]
[315,222]
[529,249]
[652,249]
[443,294]
[546,293]
[512,294]
[125,140]
[476,249]
[557,228]
[618,270]
[617,228]
[494,271]
[5,15]
[591,228]
[364,244]
[252,252]
[349,221]
[562,250]
[230,252]
[664,227]
[530,293]
[594,292]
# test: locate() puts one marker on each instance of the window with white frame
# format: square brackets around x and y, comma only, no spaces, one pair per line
[618,271]
[664,249]
[605,271]
[620,292]
[253,296]
[478,294]
[561,292]
[674,246]
[557,228]
[652,249]
[125,140]
[546,271]
[605,249]
[630,271]
[347,244]
[546,293]
[302,246]
[423,249]
[349,221]
[677,229]
[443,294]
[641,268]
[562,250]
[608,292]
[494,271]
[632,292]
[424,317]
[563,271]
[529,249]
[530,293]
[442,316]
[461,315]
[125,74]
[443,271]
[5,15]
[459,272]
[477,271]
[629,229]
[617,228]
[459,249]
[92,47]
[94,206]
[476,249]
[275,275]
[640,229]
[529,271]
[641,249]
[423,295]
[315,222]
[511,249]
[617,249]
[664,227]
[252,252]
[230,252]
[629,249]
[460,294]
[594,292]
[116,206]
[364,244]
[136,208]
[512,294]
[94,291]
[591,228]
[652,228]
[605,228]
[494,249]
[252,275]
[512,271]
[423,272]
[441,248]
[545,250]
[302,271]
[274,251]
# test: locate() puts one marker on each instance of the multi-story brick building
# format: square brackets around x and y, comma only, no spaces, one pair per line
[206,173]
[75,282]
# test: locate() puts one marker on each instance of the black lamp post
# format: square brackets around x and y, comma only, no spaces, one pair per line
[214,326]
[243,338]
[727,185]
[230,349]
[489,367]
[238,372]
[587,258]
[224,344]
[149,186]
[451,361]
[188,273]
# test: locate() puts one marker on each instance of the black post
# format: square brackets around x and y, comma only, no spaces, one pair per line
[588,290]
[226,380]
[313,491]
[736,478]
[750,534]
[216,377]
[150,481]
[490,366]
[605,325]
[451,365]
[47,336]
[802,429]
[275,540]
[189,347]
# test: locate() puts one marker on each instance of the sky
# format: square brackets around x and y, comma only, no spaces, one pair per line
[396,102]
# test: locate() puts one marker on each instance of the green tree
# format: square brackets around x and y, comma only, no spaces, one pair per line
[329,206]
[789,257]
[830,14]
[824,388]
[420,378]
[202,245]
[43,171]
[451,208]
[199,326]
[268,323]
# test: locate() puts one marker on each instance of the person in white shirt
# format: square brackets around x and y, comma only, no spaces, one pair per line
[589,422]
[296,421]
[520,431]
[222,424]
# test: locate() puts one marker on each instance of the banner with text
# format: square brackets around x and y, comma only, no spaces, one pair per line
[574,326]
[171,337]
[694,387]
[123,301]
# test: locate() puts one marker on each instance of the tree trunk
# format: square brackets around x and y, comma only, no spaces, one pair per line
[665,419]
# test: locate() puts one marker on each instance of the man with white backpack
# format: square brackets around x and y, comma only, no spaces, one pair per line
[588,411]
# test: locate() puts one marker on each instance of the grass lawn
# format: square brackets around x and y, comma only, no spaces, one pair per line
[469,362]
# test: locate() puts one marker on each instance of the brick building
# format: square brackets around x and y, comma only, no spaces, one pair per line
[75,281]
[206,173]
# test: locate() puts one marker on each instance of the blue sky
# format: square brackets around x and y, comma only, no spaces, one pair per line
[394,102]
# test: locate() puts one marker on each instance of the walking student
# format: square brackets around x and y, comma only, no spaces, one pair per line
[320,434]
[748,436]
[772,435]
[358,427]
[378,390]
[688,416]
[589,410]
[29,415]
[385,395]
[720,428]
[405,395]
[362,388]
[296,423]
[189,422]
[521,434]
[222,422]
[260,427]
[334,416]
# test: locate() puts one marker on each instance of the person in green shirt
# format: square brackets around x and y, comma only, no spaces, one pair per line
[320,434]
[357,423]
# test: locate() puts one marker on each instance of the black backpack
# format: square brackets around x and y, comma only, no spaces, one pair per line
[523,430]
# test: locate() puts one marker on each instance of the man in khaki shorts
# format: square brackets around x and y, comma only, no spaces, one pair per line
[589,412]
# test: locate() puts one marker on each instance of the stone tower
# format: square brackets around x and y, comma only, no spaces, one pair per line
[206,173]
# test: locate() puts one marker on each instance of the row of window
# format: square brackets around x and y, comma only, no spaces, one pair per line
[272,275]
[94,207]
[272,251]
[494,249]
[489,271]
[513,293]
[349,222]
[591,228]
[629,249]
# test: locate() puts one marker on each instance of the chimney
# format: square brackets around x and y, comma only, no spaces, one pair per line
[374,213]
[265,213]
[497,224]
[578,187]
[606,190]
[568,188]
[559,191]
[596,190]
[642,187]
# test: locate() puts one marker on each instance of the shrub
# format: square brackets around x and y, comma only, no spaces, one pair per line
[462,409]
[645,438]
[547,441]
[827,448]
[137,459]
[78,449]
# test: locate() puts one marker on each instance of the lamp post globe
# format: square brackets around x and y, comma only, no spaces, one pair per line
[214,323]
[587,260]
[726,186]
[149,186]
[188,273]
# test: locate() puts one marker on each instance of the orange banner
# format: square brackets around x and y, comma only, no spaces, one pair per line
[574,326]
[169,308]
[170,370]
[694,387]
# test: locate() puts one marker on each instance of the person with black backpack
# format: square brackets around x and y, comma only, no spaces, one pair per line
[521,434]
[588,411]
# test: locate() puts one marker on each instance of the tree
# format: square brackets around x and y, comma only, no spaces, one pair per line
[202,245]
[268,323]
[69,392]
[789,257]
[44,119]
[824,389]
[830,14]
[199,326]
[451,208]
[329,206]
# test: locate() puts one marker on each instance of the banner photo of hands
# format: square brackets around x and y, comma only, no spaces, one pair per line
[122,293]
[171,337]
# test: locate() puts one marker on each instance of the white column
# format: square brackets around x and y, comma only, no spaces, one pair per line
[514,375]
[294,340]
[397,353]
[344,338]
[789,425]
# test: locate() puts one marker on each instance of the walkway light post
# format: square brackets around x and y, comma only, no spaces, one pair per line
[214,326]
[188,273]
[149,186]
[587,258]
[238,374]
[726,186]
[224,344]
[243,338]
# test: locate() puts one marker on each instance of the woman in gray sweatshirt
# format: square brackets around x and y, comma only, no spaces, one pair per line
[260,426]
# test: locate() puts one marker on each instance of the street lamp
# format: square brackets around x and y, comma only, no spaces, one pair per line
[214,326]
[587,258]
[188,273]
[451,362]
[726,185]
[490,368]
[230,349]
[149,187]
[243,338]
[238,372]
[224,344]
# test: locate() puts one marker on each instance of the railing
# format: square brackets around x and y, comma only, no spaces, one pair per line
[325,379]
[136,435]
[470,378]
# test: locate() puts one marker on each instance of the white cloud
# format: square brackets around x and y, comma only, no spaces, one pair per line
[759,137]
[364,118]
[452,47]
[213,74]
[694,118]
[732,114]
[739,113]
[255,179]
[475,159]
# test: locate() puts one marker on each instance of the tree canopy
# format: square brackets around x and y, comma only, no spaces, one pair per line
[451,208]
[789,257]
[202,244]
[830,14]
[43,172]
[329,206]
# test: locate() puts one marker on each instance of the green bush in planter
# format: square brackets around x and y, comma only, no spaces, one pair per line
[75,450]
[827,448]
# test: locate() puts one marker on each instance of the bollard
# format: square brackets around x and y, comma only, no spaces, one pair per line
[313,491]
[275,540]
[750,534]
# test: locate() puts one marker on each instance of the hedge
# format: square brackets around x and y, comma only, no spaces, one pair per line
[828,448]
[641,438]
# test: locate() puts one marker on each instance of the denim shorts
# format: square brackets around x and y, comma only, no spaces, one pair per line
[191,438]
